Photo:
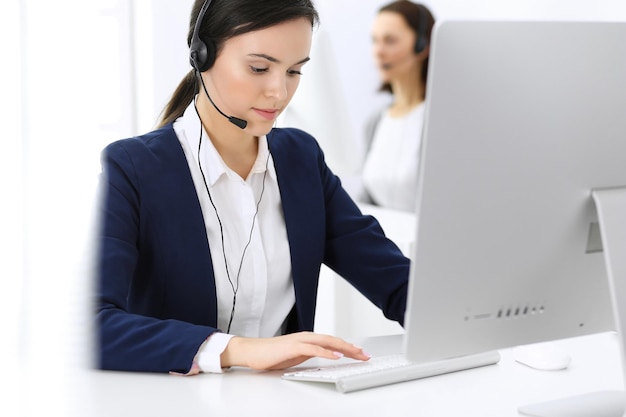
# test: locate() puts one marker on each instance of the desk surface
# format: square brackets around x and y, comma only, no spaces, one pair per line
[495,390]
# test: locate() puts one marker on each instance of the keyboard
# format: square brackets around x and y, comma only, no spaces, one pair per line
[385,370]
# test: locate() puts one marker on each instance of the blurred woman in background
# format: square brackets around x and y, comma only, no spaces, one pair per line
[401,44]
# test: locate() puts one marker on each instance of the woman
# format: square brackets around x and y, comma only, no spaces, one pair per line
[401,42]
[214,226]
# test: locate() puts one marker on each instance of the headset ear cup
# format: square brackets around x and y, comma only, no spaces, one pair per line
[202,55]
[197,54]
[209,56]
[420,44]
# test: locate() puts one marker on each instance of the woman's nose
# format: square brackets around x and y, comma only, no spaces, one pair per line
[278,87]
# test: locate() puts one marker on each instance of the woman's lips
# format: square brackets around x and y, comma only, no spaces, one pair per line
[269,114]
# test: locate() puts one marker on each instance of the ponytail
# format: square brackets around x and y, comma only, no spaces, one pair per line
[183,95]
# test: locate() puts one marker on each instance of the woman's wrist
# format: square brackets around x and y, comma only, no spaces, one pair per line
[229,356]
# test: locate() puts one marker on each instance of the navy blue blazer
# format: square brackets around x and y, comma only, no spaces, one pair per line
[156,297]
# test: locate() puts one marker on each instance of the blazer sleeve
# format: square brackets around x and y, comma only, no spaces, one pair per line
[352,244]
[132,336]
[359,251]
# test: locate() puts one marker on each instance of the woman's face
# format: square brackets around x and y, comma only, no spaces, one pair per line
[257,73]
[393,45]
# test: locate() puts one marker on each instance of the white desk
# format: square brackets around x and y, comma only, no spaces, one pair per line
[490,391]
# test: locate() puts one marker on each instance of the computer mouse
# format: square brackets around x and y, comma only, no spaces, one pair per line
[546,356]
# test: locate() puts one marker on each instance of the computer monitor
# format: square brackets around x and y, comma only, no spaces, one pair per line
[525,120]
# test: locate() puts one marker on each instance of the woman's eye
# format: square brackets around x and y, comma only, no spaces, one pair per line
[258,70]
[294,72]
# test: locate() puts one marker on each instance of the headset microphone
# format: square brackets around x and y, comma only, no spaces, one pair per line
[240,123]
[202,56]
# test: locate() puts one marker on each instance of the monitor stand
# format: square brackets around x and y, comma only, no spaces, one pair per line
[611,206]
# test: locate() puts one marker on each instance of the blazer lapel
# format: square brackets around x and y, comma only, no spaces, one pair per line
[302,203]
[191,239]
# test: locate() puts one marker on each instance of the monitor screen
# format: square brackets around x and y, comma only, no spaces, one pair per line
[523,121]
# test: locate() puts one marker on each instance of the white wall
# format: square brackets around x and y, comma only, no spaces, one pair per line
[66,93]
[68,97]
[11,184]
[162,57]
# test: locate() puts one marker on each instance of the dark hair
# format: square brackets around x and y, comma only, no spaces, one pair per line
[226,19]
[415,14]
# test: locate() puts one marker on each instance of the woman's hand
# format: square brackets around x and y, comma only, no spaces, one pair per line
[286,351]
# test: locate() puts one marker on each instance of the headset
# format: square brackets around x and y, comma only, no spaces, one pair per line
[422,30]
[202,57]
[201,54]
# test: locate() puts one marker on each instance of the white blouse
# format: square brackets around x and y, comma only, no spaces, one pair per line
[391,167]
[265,293]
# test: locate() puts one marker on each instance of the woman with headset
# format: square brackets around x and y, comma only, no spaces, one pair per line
[215,225]
[401,43]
